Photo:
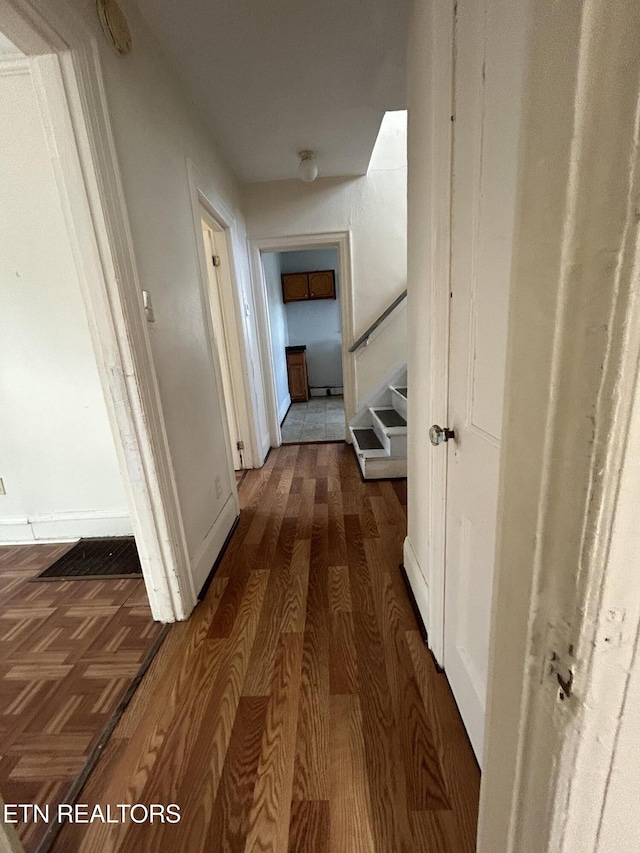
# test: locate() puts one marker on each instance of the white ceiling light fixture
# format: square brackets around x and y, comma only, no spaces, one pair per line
[307,170]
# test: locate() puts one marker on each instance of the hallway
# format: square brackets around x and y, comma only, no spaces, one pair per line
[298,709]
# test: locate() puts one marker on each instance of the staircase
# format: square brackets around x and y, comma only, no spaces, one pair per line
[379,431]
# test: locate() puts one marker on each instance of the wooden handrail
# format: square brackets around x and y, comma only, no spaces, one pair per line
[365,337]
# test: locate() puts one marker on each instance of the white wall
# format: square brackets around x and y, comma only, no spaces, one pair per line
[316,323]
[156,130]
[278,329]
[57,457]
[373,209]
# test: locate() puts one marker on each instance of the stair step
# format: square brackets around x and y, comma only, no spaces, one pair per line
[382,468]
[367,439]
[390,417]
[391,428]
[399,399]
[379,431]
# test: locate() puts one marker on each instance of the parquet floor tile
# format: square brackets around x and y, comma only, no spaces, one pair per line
[68,652]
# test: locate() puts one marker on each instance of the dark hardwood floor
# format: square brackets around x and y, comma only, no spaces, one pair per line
[298,710]
[68,652]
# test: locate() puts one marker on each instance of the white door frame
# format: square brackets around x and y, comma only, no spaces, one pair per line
[222,317]
[67,75]
[225,222]
[568,536]
[340,240]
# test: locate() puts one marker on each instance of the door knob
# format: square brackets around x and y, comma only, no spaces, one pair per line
[438,435]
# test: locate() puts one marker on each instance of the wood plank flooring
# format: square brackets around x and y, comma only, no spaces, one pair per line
[298,710]
[68,652]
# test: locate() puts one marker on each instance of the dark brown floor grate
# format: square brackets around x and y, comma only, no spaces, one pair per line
[112,557]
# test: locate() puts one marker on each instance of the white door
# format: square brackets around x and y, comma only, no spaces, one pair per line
[222,344]
[487,88]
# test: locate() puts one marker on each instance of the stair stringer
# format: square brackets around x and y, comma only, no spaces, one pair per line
[379,396]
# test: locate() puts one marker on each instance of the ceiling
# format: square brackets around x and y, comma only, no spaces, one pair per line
[274,77]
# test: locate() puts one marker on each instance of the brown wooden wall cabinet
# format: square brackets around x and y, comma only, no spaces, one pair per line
[297,375]
[300,286]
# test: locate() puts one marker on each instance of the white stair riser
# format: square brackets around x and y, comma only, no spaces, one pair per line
[379,431]
[398,445]
[383,469]
[394,439]
[395,443]
[399,403]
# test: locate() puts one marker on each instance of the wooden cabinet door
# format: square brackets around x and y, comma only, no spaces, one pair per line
[322,284]
[297,374]
[295,287]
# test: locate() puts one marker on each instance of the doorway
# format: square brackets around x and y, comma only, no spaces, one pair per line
[63,486]
[67,78]
[304,318]
[304,304]
[61,478]
[224,325]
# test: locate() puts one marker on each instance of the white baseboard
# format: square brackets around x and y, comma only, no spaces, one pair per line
[206,555]
[284,408]
[64,526]
[265,447]
[417,581]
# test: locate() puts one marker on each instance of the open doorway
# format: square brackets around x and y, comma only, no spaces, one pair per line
[305,319]
[60,474]
[305,326]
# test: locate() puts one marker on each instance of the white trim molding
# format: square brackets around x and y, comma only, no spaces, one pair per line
[418,581]
[204,559]
[273,438]
[554,780]
[76,119]
[340,240]
[284,408]
[64,526]
[10,66]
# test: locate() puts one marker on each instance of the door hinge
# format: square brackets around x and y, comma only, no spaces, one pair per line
[216,260]
[240,445]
